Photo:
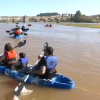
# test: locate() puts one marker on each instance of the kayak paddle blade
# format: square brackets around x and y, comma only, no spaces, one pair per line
[20,44]
[7,31]
[18,89]
[25,33]
[10,33]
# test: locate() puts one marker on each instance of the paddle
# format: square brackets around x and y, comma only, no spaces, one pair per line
[20,44]
[19,88]
[24,33]
[8,31]
[13,33]
[25,29]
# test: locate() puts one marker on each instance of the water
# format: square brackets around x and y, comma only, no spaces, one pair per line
[78,52]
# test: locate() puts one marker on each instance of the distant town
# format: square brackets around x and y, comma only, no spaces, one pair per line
[53,17]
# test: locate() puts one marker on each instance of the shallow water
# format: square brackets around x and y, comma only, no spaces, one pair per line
[78,52]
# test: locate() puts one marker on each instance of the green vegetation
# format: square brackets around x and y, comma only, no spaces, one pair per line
[48,14]
[78,17]
[91,25]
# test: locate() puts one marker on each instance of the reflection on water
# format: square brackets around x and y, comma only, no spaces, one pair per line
[78,52]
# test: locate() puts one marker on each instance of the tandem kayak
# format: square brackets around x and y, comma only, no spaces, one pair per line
[18,37]
[48,26]
[59,81]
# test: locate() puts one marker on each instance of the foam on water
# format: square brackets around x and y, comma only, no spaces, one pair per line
[23,93]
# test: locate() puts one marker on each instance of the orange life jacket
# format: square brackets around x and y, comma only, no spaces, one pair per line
[11,54]
[18,32]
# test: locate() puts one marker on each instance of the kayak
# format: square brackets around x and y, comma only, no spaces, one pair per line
[18,37]
[29,25]
[59,81]
[48,26]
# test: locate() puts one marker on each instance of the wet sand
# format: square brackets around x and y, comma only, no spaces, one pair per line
[78,52]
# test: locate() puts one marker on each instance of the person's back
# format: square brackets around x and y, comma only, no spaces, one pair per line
[22,62]
[50,25]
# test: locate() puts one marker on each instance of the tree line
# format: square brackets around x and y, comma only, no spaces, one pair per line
[78,17]
[48,14]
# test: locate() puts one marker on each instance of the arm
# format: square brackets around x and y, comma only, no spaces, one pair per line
[2,58]
[12,62]
[41,71]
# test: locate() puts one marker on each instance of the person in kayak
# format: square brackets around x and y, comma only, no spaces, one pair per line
[23,28]
[21,63]
[8,56]
[46,66]
[45,69]
[17,26]
[18,32]
[50,25]
[47,25]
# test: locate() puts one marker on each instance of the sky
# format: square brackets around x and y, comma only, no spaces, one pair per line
[34,7]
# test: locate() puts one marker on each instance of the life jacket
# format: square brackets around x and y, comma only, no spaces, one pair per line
[18,32]
[51,64]
[23,61]
[11,54]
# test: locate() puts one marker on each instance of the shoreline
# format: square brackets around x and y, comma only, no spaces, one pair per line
[85,25]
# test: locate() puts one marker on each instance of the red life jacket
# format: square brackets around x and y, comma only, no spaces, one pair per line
[12,54]
[18,32]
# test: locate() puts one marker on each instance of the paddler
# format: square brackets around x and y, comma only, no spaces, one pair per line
[21,63]
[18,31]
[46,67]
[23,28]
[50,25]
[8,56]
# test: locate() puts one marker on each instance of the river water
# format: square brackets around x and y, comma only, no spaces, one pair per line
[78,52]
